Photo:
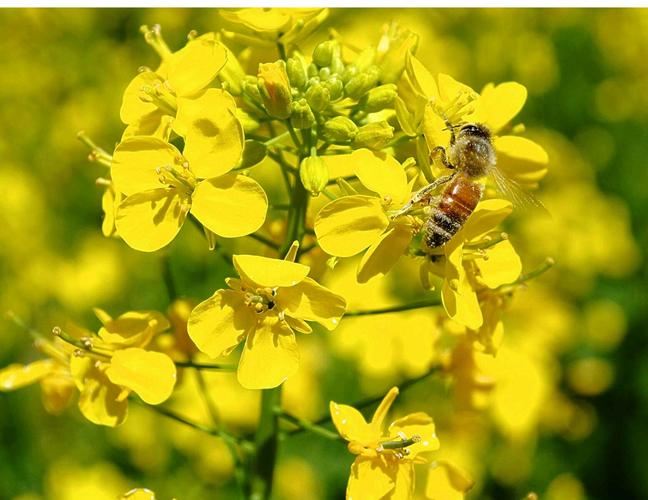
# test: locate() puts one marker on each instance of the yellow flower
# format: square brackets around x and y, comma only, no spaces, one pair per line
[116,363]
[435,101]
[152,99]
[352,224]
[267,26]
[104,367]
[384,465]
[53,374]
[163,185]
[272,299]
[475,260]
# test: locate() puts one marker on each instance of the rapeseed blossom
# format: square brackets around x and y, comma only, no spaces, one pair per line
[384,464]
[271,300]
[163,186]
[104,367]
[351,224]
[152,99]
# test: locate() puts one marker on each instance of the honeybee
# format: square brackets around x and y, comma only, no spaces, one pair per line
[473,158]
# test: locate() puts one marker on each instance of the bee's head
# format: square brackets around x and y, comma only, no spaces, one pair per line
[475,130]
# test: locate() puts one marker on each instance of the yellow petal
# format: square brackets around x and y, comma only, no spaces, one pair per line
[421,78]
[498,105]
[520,148]
[384,253]
[135,162]
[149,220]
[404,483]
[339,165]
[263,20]
[521,159]
[298,325]
[434,128]
[351,425]
[57,391]
[310,301]
[384,406]
[419,424]
[502,266]
[152,375]
[109,203]
[268,272]
[138,494]
[381,173]
[486,217]
[213,135]
[16,376]
[156,124]
[133,108]
[230,206]
[218,324]
[269,357]
[100,401]
[458,297]
[133,328]
[350,224]
[194,66]
[449,88]
[447,482]
[371,478]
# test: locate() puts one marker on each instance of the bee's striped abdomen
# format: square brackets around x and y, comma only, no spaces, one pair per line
[458,201]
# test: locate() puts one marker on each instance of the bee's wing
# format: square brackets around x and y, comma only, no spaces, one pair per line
[512,191]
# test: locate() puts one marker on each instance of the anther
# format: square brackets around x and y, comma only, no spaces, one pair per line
[87,342]
[57,331]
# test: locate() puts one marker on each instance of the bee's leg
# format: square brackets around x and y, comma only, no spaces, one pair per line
[441,153]
[422,194]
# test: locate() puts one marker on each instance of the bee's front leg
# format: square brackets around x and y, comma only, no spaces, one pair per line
[440,152]
[422,195]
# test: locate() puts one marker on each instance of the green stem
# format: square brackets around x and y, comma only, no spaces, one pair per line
[403,307]
[308,426]
[264,240]
[225,367]
[265,440]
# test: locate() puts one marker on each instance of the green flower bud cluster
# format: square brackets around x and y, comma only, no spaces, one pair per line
[328,95]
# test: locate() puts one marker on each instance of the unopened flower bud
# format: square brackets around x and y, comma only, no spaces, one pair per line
[335,86]
[379,98]
[361,83]
[313,174]
[325,73]
[323,53]
[349,72]
[374,135]
[274,88]
[318,96]
[312,70]
[302,116]
[392,53]
[340,129]
[297,72]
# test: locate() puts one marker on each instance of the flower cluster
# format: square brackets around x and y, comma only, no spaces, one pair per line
[375,133]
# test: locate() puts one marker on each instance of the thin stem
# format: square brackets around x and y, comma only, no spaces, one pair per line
[264,240]
[305,425]
[167,275]
[402,307]
[225,367]
[293,135]
[227,437]
[266,440]
[273,140]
